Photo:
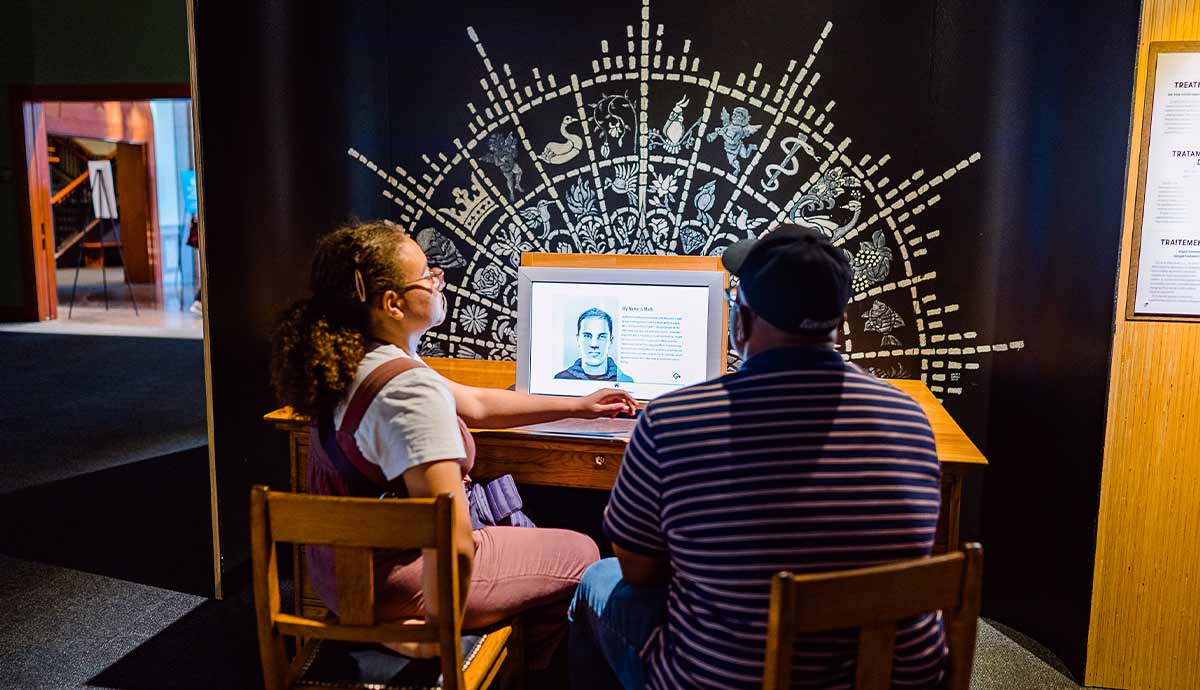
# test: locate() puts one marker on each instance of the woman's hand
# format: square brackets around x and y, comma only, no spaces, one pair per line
[606,402]
[493,408]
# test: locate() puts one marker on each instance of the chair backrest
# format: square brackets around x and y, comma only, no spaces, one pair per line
[873,600]
[354,527]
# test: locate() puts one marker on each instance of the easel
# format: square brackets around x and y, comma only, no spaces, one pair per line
[104,222]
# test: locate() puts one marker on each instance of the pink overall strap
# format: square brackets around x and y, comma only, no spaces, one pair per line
[370,387]
[357,408]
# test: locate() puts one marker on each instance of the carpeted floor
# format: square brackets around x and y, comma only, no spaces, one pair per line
[104,500]
[66,626]
[145,522]
[74,405]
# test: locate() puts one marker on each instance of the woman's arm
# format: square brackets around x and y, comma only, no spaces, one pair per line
[425,481]
[493,408]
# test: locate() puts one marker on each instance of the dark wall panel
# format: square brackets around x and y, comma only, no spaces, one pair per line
[282,87]
[1066,80]
[968,156]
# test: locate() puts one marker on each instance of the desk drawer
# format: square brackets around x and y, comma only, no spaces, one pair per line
[591,466]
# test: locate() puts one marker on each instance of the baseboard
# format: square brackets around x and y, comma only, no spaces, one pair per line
[10,314]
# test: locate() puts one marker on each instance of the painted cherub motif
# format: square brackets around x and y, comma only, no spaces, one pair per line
[502,152]
[735,129]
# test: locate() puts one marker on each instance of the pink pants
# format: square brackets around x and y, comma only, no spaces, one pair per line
[530,571]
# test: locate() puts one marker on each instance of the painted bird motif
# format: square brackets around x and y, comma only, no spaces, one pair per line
[559,152]
[832,223]
[674,136]
[539,214]
[744,223]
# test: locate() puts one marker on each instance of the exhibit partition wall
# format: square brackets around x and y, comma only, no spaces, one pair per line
[1145,630]
[968,157]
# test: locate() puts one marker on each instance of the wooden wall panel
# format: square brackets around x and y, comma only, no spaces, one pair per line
[133,207]
[1145,621]
[41,223]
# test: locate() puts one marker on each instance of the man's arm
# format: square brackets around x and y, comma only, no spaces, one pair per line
[642,571]
[493,408]
[633,518]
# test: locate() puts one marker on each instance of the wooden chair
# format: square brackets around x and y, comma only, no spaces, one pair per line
[355,527]
[873,600]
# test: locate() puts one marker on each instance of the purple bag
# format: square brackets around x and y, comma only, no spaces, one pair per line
[496,503]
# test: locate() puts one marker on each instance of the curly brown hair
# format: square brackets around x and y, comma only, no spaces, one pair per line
[319,341]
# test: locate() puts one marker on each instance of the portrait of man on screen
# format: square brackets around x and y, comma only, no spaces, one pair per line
[594,336]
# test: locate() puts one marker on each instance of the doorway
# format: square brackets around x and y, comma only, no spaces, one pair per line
[135,272]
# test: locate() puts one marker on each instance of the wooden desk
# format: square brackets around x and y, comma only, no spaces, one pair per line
[592,463]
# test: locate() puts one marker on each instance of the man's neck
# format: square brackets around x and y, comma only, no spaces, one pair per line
[599,370]
[757,345]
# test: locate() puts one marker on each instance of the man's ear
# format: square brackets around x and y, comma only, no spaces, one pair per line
[744,325]
[392,304]
[838,330]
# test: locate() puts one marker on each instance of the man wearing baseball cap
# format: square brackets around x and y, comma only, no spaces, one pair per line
[794,286]
[798,461]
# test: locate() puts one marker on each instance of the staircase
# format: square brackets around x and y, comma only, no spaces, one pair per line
[71,198]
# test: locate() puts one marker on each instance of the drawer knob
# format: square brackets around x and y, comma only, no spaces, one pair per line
[599,460]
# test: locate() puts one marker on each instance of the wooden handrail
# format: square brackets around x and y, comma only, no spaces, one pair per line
[62,194]
[62,248]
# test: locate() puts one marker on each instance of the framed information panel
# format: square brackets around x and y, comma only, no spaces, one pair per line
[1165,273]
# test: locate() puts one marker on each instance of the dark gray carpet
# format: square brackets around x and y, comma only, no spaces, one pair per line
[104,505]
[1001,663]
[73,405]
[65,626]
[146,522]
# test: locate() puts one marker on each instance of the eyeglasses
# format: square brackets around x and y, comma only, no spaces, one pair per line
[434,273]
[731,296]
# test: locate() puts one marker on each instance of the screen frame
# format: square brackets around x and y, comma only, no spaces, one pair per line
[715,282]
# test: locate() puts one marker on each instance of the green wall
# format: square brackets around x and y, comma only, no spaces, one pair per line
[76,42]
[16,66]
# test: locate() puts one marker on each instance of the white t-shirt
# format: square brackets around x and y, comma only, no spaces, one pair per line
[411,421]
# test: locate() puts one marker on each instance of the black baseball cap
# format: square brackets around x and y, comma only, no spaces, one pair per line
[792,277]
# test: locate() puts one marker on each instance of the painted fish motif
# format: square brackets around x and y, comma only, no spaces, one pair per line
[881,318]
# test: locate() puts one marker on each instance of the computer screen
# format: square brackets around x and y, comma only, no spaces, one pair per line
[646,331]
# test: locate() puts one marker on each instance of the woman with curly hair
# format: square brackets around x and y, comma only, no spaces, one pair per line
[347,358]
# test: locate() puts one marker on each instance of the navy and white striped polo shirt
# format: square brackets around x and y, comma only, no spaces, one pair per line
[800,461]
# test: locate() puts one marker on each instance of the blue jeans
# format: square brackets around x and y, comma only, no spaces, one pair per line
[610,623]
